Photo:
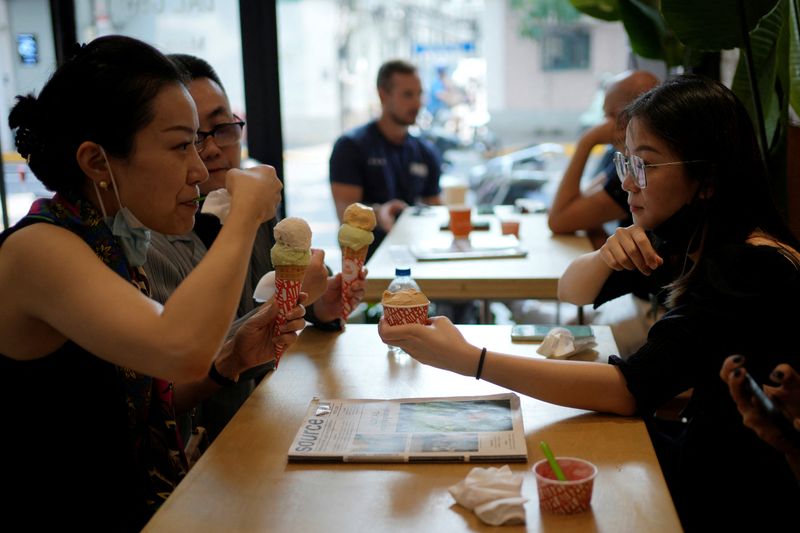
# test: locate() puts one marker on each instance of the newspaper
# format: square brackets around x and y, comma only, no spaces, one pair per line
[452,429]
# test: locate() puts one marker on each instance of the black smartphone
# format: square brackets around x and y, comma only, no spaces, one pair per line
[768,407]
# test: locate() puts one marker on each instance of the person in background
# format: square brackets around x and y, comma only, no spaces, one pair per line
[442,94]
[380,164]
[88,359]
[604,200]
[171,258]
[706,230]
[786,395]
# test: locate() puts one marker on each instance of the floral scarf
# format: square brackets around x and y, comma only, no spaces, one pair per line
[151,413]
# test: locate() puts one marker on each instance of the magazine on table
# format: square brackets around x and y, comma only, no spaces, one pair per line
[410,430]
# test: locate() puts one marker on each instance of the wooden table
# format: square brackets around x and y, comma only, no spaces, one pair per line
[244,483]
[534,276]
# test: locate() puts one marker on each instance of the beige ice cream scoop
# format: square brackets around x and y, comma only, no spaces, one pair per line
[292,242]
[404,297]
[360,216]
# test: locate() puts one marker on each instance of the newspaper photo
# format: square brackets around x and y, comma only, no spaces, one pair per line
[454,429]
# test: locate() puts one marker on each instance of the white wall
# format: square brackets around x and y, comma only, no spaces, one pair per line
[534,102]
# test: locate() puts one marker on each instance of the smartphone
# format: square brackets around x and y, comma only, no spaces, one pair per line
[537,332]
[768,407]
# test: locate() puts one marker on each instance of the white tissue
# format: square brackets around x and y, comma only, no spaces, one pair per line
[560,343]
[265,289]
[493,494]
[218,203]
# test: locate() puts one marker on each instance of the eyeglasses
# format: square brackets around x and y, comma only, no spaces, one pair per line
[224,134]
[638,169]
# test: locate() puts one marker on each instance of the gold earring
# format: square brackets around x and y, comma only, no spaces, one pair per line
[103,185]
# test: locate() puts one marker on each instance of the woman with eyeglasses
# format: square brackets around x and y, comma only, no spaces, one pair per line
[707,234]
[171,258]
[87,358]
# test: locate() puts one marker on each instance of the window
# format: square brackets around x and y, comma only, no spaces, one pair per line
[565,49]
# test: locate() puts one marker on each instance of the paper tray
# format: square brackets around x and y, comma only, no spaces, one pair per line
[452,253]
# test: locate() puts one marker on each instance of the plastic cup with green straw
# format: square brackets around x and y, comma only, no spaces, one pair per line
[552,461]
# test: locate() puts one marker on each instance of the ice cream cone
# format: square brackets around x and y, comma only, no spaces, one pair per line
[288,281]
[352,263]
[290,272]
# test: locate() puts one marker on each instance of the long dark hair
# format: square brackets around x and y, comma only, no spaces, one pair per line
[702,120]
[104,94]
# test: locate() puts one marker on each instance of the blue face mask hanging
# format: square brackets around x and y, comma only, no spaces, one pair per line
[132,235]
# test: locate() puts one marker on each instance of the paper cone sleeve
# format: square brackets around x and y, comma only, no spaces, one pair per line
[352,263]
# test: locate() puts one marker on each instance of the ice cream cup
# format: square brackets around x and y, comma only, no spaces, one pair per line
[565,497]
[460,221]
[352,263]
[397,315]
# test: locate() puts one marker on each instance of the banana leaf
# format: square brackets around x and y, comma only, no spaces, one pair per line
[599,9]
[713,24]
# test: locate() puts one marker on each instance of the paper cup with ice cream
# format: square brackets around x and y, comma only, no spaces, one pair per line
[565,497]
[406,306]
[355,236]
[290,255]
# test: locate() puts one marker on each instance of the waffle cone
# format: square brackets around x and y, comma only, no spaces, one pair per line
[291,272]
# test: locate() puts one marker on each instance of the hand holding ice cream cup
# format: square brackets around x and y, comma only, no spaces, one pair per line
[355,236]
[406,306]
[290,255]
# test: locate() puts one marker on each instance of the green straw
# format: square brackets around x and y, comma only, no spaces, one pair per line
[552,460]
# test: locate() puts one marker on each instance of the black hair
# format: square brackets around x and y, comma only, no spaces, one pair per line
[702,120]
[390,68]
[104,94]
[194,67]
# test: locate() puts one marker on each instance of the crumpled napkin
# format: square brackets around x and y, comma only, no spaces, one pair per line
[265,289]
[560,343]
[218,203]
[493,494]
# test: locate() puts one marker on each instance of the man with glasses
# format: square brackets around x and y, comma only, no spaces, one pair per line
[171,258]
[604,200]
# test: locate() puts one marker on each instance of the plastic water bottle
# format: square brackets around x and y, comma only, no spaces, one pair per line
[402,280]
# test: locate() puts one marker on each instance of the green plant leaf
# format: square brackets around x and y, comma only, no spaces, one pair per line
[794,56]
[766,42]
[648,32]
[712,24]
[600,9]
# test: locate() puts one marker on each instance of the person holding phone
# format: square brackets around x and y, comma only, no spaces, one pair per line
[87,358]
[783,435]
[708,236]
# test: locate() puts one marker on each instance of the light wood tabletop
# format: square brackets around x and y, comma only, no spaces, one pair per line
[243,482]
[533,276]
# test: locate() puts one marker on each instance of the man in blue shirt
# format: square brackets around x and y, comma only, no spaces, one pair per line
[380,164]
